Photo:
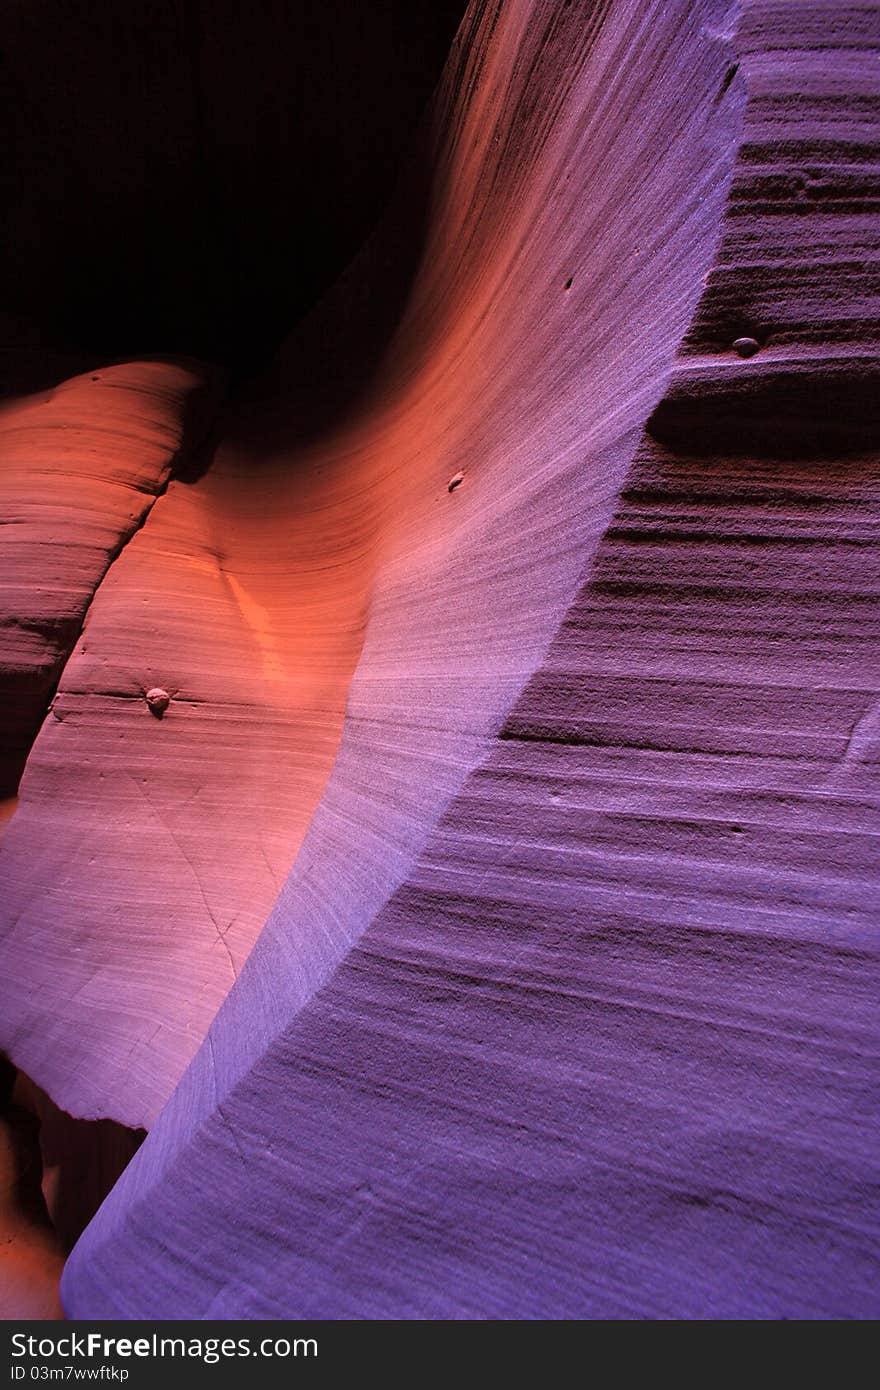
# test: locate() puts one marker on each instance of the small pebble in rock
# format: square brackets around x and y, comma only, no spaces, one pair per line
[456,481]
[158,701]
[746,347]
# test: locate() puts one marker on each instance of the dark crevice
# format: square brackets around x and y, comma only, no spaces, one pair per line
[61,1168]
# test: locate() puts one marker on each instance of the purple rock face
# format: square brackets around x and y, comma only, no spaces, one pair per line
[567,1005]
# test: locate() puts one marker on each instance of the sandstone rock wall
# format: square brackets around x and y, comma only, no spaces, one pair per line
[524,681]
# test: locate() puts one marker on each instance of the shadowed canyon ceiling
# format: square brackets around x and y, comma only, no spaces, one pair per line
[190,175]
[438,637]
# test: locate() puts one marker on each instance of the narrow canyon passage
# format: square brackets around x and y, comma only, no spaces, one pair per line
[245,594]
[452,830]
[177,186]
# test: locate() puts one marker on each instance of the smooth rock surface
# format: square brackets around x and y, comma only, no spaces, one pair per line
[82,465]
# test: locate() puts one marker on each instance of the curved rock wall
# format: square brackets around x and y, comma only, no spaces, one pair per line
[246,595]
[82,466]
[545,663]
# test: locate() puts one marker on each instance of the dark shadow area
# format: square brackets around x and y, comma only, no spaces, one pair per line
[31,1255]
[807,413]
[64,1167]
[22,1181]
[189,176]
[334,358]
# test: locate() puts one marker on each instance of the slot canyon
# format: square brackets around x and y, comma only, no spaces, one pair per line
[439,500]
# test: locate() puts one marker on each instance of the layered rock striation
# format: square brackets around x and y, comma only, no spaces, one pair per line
[488,905]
